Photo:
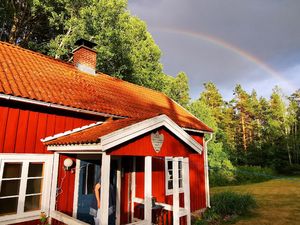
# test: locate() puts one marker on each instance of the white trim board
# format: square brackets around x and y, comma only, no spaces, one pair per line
[84,148]
[56,106]
[51,138]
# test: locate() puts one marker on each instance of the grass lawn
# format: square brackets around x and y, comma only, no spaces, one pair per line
[278,201]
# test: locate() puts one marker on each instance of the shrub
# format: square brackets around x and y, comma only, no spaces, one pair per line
[290,169]
[226,206]
[253,174]
[231,203]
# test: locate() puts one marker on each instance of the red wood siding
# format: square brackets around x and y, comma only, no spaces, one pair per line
[125,189]
[141,146]
[197,182]
[197,177]
[22,129]
[65,185]
[33,222]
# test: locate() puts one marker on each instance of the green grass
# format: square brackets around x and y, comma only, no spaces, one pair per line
[278,201]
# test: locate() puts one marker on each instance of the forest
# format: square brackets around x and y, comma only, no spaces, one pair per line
[249,130]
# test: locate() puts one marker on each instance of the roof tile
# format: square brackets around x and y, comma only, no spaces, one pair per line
[35,76]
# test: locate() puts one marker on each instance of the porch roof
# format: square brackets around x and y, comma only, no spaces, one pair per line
[114,132]
[90,134]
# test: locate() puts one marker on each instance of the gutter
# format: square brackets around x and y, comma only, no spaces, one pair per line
[197,131]
[206,170]
[56,106]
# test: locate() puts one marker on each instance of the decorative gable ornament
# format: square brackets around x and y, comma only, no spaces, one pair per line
[157,140]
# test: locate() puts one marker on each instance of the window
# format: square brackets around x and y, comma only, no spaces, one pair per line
[169,175]
[23,185]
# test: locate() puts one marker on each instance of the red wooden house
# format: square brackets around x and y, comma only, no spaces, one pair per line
[62,125]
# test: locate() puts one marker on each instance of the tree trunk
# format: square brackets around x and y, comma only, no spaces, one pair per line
[287,146]
[244,131]
[61,44]
[14,30]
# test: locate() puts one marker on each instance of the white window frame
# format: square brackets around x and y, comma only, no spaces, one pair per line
[170,159]
[25,159]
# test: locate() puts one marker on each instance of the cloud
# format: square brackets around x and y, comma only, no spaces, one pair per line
[267,29]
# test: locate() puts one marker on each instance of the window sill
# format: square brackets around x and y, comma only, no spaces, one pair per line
[17,218]
[170,192]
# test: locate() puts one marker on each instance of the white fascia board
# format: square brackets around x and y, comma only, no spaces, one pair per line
[51,138]
[120,136]
[75,147]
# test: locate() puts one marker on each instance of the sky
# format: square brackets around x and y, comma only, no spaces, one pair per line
[255,43]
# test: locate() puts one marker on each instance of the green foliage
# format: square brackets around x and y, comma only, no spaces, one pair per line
[231,203]
[221,170]
[44,219]
[125,48]
[30,23]
[290,169]
[178,88]
[253,174]
[226,206]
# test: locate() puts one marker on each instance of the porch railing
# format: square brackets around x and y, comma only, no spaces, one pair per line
[61,217]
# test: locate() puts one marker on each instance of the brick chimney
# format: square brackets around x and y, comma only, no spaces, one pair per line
[84,57]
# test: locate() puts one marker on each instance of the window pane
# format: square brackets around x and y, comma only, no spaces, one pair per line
[34,186]
[35,170]
[12,170]
[90,178]
[8,206]
[180,173]
[170,184]
[179,164]
[170,175]
[32,203]
[10,187]
[180,183]
[170,165]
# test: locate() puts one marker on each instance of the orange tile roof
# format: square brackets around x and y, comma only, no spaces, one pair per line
[31,75]
[92,134]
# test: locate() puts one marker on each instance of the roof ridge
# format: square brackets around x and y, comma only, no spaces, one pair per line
[71,65]
[36,53]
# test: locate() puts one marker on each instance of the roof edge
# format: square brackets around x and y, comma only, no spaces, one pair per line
[56,106]
[51,138]
[211,130]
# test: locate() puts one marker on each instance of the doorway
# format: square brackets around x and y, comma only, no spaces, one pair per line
[89,175]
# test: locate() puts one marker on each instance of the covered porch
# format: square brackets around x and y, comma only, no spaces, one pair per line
[133,205]
[151,160]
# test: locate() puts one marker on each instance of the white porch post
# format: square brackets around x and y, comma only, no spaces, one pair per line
[175,192]
[104,190]
[54,184]
[148,190]
[186,187]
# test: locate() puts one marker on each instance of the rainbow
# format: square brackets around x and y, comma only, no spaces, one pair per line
[229,47]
